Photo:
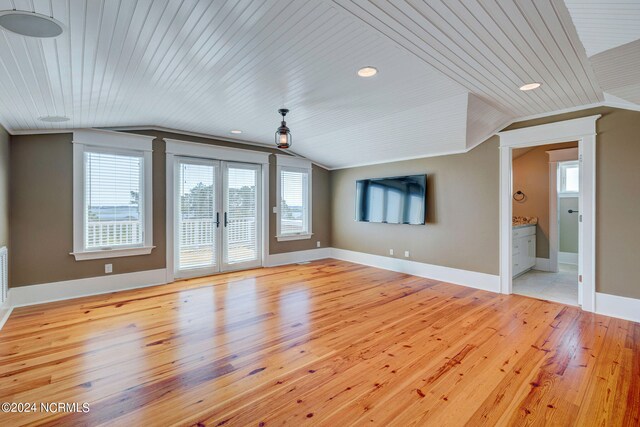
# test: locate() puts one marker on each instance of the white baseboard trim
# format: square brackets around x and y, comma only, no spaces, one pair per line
[568,258]
[5,312]
[542,264]
[298,256]
[472,279]
[606,304]
[615,306]
[68,289]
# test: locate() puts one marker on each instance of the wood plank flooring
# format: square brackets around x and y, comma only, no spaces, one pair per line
[326,343]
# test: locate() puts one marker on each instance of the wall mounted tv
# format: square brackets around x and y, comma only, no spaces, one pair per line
[395,200]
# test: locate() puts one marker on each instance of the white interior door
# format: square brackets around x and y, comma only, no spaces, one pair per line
[580,234]
[197,217]
[242,228]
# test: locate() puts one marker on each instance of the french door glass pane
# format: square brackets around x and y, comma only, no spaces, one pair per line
[196,216]
[242,214]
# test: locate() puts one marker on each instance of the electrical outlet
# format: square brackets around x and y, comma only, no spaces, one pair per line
[108,268]
[391,252]
[318,244]
[406,254]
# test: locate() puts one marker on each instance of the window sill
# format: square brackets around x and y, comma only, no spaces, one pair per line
[288,237]
[112,253]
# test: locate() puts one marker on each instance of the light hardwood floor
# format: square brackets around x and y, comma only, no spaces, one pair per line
[327,343]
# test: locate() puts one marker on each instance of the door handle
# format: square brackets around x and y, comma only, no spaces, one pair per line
[217,219]
[225,219]
[572,211]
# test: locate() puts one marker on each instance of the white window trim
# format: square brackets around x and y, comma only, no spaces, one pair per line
[562,178]
[215,152]
[300,165]
[110,141]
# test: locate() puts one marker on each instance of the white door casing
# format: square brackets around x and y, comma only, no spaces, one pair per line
[176,149]
[582,130]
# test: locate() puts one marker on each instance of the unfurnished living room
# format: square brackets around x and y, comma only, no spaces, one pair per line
[319,212]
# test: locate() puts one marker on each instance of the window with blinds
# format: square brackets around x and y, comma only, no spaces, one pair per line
[114,199]
[294,201]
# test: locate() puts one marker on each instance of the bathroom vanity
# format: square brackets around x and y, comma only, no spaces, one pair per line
[524,249]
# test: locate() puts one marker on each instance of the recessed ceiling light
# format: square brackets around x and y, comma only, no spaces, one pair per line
[367,71]
[30,24]
[236,131]
[530,86]
[53,119]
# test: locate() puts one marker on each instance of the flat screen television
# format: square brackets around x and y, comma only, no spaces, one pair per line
[394,200]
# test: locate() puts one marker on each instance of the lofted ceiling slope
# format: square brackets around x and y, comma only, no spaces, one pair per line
[449,70]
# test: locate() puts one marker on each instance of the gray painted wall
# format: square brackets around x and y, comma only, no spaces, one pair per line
[4,187]
[41,215]
[462,211]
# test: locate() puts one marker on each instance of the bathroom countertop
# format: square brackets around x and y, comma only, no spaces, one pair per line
[523,221]
[523,225]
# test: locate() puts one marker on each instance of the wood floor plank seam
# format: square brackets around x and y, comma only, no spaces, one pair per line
[324,343]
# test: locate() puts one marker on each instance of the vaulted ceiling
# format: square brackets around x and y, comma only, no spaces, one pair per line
[449,70]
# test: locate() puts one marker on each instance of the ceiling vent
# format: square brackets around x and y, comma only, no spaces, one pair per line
[30,24]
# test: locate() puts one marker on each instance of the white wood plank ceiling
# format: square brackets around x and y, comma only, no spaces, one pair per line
[610,33]
[605,24]
[449,70]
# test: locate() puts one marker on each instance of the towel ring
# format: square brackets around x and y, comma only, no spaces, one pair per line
[519,196]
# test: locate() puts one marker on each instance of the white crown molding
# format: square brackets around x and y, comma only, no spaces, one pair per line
[38,131]
[403,159]
[169,130]
[507,123]
[609,102]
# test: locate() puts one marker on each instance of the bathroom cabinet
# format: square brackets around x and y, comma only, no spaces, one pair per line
[524,249]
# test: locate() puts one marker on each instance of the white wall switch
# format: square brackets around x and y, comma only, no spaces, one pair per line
[275,209]
[318,244]
[390,251]
[108,268]
[406,254]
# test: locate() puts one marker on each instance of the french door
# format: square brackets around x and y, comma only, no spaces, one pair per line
[217,216]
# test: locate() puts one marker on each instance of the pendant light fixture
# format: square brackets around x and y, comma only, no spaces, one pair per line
[283,135]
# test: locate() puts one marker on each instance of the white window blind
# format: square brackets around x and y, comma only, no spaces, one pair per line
[242,214]
[294,203]
[114,200]
[197,216]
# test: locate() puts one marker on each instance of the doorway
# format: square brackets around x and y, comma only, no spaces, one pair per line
[217,216]
[582,130]
[545,222]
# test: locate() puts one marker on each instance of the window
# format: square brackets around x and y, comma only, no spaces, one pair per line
[569,177]
[112,195]
[293,198]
